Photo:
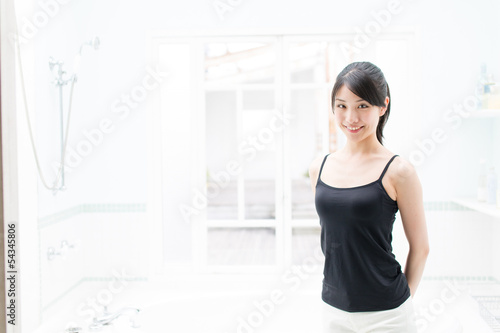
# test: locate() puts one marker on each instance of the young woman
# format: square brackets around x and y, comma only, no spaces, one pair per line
[358,191]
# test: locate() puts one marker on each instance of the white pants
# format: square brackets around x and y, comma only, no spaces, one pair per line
[397,320]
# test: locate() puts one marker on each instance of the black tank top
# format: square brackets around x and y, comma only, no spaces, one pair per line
[361,273]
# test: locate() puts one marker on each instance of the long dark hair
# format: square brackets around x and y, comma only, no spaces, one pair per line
[367,81]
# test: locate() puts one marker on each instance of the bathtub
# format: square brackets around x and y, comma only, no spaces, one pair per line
[222,312]
[224,306]
[235,307]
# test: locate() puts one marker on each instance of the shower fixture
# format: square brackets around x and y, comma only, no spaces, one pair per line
[93,43]
[61,79]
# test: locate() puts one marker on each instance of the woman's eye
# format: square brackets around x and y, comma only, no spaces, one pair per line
[363,106]
[341,106]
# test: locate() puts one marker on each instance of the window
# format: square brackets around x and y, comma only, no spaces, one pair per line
[240,119]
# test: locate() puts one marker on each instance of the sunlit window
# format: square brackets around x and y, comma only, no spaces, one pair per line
[264,104]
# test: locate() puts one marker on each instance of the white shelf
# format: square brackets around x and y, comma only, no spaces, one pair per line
[485,113]
[481,207]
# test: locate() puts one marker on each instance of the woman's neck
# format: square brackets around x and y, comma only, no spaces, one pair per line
[370,145]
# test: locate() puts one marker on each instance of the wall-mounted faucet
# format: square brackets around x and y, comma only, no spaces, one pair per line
[52,252]
[107,318]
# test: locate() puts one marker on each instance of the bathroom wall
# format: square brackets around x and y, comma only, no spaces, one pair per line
[452,45]
[108,146]
[496,249]
[462,242]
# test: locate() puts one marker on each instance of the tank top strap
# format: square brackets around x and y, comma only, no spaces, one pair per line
[387,167]
[321,169]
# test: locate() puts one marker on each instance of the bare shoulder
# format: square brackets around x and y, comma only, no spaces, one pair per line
[403,171]
[402,180]
[314,167]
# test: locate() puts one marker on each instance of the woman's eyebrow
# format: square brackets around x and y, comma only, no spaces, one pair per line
[359,100]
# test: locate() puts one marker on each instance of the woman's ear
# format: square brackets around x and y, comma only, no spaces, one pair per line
[384,108]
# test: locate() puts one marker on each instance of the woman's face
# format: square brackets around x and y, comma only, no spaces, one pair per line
[357,118]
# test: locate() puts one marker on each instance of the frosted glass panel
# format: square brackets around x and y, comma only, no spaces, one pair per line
[259,167]
[306,246]
[221,147]
[260,186]
[176,104]
[258,99]
[241,246]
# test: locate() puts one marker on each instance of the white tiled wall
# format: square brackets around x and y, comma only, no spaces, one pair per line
[65,271]
[107,246]
[115,242]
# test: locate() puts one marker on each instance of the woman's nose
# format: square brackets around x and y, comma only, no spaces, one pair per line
[351,116]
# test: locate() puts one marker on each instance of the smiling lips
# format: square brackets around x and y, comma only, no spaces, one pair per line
[353,129]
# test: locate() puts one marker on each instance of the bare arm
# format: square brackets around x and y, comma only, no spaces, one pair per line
[411,207]
[314,167]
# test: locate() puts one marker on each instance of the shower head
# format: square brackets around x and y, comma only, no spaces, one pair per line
[94,43]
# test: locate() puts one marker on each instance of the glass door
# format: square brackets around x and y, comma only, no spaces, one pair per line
[242,151]
[242,118]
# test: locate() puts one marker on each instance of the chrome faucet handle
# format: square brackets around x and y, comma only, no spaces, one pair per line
[135,319]
[108,318]
[96,326]
[51,253]
[53,63]
[65,244]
